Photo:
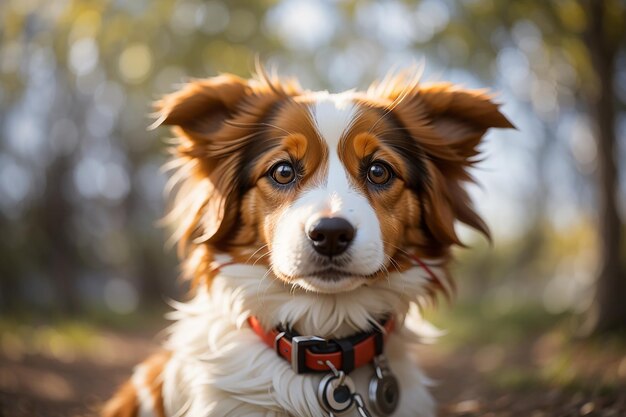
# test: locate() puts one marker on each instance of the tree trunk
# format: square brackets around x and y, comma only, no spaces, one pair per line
[61,257]
[609,309]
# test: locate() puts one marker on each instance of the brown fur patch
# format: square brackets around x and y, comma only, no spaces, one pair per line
[154,367]
[376,137]
[445,124]
[224,199]
[125,403]
[300,145]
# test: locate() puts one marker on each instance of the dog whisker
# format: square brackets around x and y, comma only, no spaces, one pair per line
[260,299]
[256,251]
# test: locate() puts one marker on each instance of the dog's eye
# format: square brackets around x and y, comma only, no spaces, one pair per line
[283,173]
[379,173]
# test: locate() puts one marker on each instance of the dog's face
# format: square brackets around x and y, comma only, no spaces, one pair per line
[330,190]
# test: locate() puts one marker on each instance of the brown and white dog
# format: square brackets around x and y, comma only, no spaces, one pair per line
[322,213]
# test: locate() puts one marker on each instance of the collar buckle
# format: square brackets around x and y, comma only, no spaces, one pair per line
[299,345]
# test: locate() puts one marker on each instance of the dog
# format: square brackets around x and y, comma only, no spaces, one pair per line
[312,226]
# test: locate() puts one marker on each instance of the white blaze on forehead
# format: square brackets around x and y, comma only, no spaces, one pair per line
[333,114]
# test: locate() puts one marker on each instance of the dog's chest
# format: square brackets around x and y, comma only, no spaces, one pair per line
[235,374]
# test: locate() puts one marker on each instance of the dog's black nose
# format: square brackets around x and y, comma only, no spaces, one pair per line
[331,236]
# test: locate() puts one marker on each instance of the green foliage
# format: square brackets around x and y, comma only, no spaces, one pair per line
[484,322]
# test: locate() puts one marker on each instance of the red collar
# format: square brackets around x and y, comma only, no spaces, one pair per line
[311,353]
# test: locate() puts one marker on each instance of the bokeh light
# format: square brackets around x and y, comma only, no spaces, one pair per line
[135,63]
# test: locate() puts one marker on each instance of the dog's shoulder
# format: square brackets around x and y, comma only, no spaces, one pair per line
[142,394]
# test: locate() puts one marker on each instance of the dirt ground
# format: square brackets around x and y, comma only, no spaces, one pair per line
[59,379]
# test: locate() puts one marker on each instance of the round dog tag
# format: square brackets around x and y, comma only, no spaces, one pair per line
[384,393]
[336,392]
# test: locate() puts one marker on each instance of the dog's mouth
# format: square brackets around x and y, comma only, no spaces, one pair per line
[332,274]
[330,280]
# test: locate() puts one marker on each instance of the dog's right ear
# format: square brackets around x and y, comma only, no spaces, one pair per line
[214,121]
[205,183]
[201,106]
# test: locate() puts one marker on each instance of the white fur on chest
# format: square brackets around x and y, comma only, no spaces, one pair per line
[220,367]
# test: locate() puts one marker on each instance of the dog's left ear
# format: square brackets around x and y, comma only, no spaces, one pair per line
[448,123]
[447,118]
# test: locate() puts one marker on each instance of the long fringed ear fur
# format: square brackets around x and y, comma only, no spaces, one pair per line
[204,199]
[448,123]
[214,121]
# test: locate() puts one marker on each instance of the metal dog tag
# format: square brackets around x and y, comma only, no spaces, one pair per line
[384,390]
[336,393]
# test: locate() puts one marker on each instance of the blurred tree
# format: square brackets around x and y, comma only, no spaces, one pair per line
[76,82]
[590,34]
[59,253]
[604,34]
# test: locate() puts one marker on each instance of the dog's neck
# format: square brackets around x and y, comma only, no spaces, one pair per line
[253,290]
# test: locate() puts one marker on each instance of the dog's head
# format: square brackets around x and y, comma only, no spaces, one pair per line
[329,190]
